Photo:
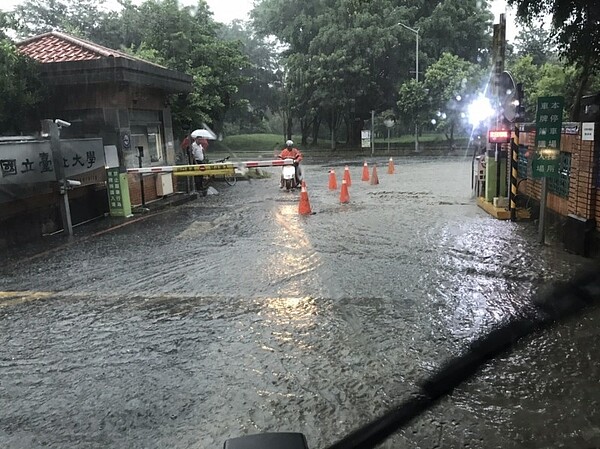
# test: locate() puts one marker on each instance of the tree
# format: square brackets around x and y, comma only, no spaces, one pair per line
[557,79]
[258,95]
[451,81]
[535,42]
[552,78]
[294,23]
[5,21]
[187,40]
[353,55]
[459,27]
[524,71]
[300,90]
[342,59]
[413,104]
[297,25]
[78,17]
[20,88]
[576,26]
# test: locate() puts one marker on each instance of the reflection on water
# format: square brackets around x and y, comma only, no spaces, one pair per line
[298,312]
[292,233]
[294,258]
[484,277]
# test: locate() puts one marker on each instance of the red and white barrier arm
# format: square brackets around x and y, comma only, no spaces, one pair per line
[211,167]
[166,169]
[273,163]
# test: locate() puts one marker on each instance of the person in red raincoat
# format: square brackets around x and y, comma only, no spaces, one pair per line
[291,152]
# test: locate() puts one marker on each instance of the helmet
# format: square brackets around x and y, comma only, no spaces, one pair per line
[289,143]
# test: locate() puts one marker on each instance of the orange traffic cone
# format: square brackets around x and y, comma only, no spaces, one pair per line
[303,184]
[374,178]
[347,176]
[365,175]
[391,167]
[332,180]
[304,206]
[344,195]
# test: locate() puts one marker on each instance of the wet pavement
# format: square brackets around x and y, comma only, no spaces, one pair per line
[232,315]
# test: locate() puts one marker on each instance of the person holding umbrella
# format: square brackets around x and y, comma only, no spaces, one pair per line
[198,157]
[201,137]
[198,149]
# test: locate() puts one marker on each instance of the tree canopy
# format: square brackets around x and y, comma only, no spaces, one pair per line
[79,17]
[259,94]
[576,27]
[458,27]
[20,88]
[537,43]
[318,62]
[551,78]
[344,58]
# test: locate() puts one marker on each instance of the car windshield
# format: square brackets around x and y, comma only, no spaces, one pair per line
[226,218]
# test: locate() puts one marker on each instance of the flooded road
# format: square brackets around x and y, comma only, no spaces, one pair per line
[232,315]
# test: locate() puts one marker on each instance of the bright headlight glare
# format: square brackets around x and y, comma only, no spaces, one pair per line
[480,110]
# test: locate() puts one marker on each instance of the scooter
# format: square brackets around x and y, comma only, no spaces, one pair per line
[288,176]
[566,300]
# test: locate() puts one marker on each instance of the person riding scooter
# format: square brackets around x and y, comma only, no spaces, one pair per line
[291,152]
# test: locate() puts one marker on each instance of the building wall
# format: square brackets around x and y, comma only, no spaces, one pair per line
[583,200]
[36,216]
[99,96]
[150,194]
[582,189]
[27,219]
[135,191]
[106,110]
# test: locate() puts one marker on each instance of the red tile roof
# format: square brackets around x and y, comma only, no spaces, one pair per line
[60,47]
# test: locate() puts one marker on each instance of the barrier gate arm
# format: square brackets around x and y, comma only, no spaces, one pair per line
[210,169]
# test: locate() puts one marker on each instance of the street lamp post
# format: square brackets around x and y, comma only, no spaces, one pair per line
[416,31]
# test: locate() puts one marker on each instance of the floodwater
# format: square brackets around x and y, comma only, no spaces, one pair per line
[233,315]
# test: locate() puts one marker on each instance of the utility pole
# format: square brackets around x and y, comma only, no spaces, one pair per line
[372,133]
[543,202]
[417,78]
[494,155]
[499,66]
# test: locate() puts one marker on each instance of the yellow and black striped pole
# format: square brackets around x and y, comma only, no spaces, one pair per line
[514,171]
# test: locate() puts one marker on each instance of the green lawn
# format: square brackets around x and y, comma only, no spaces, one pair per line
[409,138]
[251,142]
[266,142]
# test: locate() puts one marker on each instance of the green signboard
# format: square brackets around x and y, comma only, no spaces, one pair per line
[545,163]
[547,137]
[118,193]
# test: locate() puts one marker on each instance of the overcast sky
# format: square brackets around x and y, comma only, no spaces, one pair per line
[227,10]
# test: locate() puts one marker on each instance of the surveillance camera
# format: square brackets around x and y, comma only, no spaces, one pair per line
[62,123]
[70,183]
